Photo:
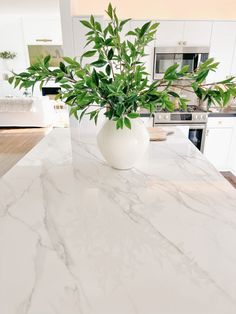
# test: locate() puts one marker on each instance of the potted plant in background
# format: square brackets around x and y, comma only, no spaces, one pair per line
[116,84]
[6,56]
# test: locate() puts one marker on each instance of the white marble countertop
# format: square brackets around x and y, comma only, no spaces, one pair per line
[78,237]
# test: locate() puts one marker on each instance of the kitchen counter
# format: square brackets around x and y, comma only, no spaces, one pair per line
[227,112]
[78,237]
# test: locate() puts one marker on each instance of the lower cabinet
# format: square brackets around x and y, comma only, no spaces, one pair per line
[232,157]
[219,143]
[148,121]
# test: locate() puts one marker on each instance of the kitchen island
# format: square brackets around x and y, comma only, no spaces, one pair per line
[78,237]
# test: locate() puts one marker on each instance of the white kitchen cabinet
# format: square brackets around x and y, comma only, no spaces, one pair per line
[42,31]
[169,33]
[184,33]
[232,157]
[13,41]
[222,49]
[148,121]
[197,33]
[219,141]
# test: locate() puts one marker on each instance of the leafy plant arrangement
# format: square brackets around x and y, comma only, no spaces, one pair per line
[117,81]
[6,55]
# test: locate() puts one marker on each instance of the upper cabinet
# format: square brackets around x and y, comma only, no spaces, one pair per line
[197,33]
[14,42]
[219,36]
[170,33]
[222,48]
[185,33]
[42,31]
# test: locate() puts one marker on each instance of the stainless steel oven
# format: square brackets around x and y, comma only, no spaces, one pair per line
[164,57]
[192,124]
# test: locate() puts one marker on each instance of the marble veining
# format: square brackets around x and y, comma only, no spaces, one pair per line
[78,237]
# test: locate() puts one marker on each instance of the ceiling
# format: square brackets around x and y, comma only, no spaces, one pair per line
[30,7]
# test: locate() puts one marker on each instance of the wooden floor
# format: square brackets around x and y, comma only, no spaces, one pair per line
[15,143]
[230,177]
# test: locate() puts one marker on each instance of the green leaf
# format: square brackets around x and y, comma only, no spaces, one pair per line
[154,26]
[95,77]
[92,21]
[133,115]
[46,60]
[110,29]
[174,94]
[110,11]
[92,114]
[74,112]
[120,123]
[144,29]
[71,61]
[226,97]
[108,42]
[11,79]
[171,70]
[184,69]
[17,82]
[110,54]
[127,123]
[131,33]
[62,67]
[123,22]
[86,24]
[99,63]
[98,26]
[108,70]
[89,54]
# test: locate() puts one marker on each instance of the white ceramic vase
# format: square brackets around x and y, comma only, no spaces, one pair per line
[123,147]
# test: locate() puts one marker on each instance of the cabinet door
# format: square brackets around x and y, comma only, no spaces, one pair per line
[232,158]
[42,31]
[217,147]
[170,33]
[197,33]
[222,48]
[148,121]
[13,41]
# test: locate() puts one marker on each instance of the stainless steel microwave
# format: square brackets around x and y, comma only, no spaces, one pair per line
[164,57]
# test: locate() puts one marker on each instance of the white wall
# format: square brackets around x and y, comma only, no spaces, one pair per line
[30,7]
[167,9]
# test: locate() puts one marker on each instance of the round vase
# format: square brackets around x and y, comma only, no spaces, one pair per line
[121,148]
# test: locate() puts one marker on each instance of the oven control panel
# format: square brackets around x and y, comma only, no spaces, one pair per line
[178,117]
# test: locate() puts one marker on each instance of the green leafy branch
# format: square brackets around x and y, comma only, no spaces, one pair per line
[116,82]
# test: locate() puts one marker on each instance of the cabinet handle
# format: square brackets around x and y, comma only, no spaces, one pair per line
[180,43]
[184,43]
[220,122]
[43,40]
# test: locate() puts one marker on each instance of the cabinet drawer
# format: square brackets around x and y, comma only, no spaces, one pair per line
[42,31]
[221,122]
